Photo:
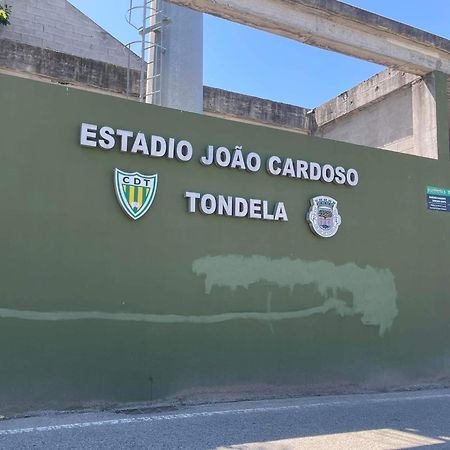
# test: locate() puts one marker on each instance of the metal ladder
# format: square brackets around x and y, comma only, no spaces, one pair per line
[148,18]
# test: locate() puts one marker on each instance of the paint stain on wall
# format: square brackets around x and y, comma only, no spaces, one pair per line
[373,290]
[368,292]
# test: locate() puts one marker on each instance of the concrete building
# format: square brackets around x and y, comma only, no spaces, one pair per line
[52,39]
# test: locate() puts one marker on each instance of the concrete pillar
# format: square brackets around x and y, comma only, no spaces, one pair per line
[182,62]
[425,117]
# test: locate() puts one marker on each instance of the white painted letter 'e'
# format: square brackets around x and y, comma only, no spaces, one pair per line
[88,132]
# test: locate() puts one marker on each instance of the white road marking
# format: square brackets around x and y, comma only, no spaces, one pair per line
[71,426]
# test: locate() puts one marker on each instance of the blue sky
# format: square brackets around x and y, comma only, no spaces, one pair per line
[252,62]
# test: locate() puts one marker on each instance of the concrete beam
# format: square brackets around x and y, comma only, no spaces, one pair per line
[333,25]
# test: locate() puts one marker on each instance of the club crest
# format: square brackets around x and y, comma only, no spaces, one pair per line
[135,192]
[323,216]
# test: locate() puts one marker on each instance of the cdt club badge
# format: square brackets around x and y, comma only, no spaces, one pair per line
[135,192]
[323,216]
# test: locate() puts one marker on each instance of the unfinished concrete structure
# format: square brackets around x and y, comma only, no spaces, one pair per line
[54,40]
[394,110]
[400,108]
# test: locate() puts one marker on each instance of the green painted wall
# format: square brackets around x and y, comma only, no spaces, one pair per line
[93,305]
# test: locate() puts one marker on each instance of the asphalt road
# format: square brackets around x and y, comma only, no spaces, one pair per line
[376,421]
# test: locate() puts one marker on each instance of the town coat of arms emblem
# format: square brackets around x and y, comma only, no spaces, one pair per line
[135,192]
[323,216]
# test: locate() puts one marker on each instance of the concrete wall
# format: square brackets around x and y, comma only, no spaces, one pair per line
[386,124]
[42,63]
[245,108]
[97,309]
[391,110]
[57,25]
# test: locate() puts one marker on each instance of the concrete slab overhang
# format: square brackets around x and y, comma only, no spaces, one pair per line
[336,26]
